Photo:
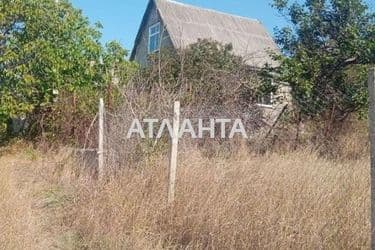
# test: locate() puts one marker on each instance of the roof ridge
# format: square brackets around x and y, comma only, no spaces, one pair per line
[211,10]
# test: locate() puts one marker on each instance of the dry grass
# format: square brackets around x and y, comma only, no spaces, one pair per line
[274,202]
[31,198]
[277,201]
[20,186]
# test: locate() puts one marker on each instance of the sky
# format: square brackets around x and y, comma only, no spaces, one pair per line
[121,18]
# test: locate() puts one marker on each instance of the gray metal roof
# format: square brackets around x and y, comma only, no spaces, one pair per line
[186,24]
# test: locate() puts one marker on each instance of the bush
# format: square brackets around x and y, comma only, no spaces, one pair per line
[208,80]
[49,50]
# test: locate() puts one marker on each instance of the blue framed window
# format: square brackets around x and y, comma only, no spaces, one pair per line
[154,38]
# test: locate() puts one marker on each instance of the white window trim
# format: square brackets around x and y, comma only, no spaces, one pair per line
[149,37]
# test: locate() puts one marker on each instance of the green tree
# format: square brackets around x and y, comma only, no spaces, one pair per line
[207,72]
[327,49]
[45,46]
[49,48]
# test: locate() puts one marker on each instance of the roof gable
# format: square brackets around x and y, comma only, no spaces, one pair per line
[186,24]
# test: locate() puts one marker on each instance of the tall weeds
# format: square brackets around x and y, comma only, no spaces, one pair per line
[291,201]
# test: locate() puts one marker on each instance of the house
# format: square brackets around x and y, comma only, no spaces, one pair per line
[170,24]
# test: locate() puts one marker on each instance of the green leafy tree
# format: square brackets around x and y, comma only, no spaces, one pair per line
[206,71]
[46,46]
[49,50]
[327,49]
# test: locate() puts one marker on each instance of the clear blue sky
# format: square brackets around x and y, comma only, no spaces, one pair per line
[121,18]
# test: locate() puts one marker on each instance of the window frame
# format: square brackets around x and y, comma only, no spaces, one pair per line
[150,35]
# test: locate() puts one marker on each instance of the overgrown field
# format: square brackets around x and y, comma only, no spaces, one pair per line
[295,200]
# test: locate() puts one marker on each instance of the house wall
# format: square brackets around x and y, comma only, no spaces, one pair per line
[141,52]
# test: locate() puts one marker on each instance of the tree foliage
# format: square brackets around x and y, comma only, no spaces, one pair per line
[206,70]
[48,47]
[327,49]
